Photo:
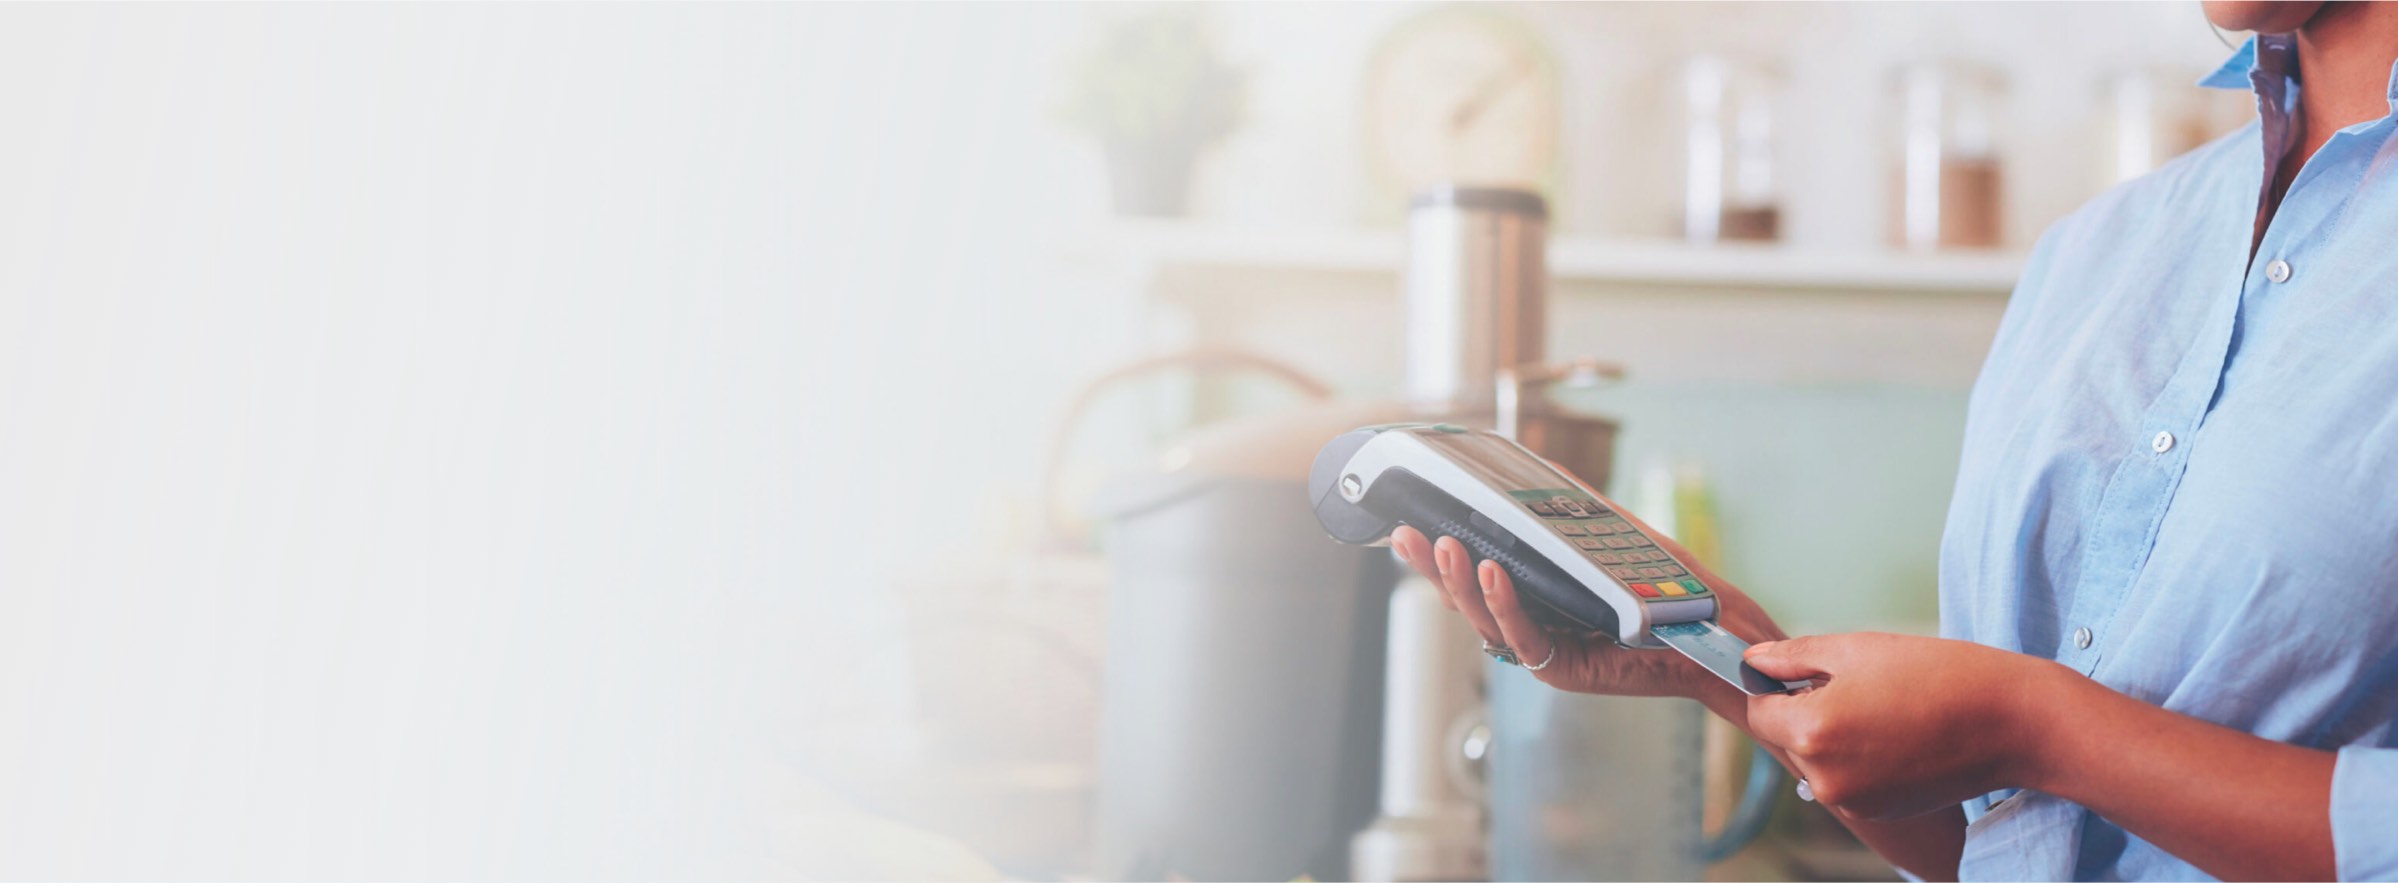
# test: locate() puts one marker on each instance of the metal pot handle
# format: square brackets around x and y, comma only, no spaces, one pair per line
[1469,742]
[1202,360]
[1766,778]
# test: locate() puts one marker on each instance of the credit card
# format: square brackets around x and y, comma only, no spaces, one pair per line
[1719,651]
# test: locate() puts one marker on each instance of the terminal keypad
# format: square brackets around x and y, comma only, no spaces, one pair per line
[1619,548]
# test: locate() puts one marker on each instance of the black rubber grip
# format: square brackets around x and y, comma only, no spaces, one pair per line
[1552,597]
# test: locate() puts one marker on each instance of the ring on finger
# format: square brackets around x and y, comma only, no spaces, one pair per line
[1545,660]
[1502,653]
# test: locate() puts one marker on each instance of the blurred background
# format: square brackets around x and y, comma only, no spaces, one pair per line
[861,441]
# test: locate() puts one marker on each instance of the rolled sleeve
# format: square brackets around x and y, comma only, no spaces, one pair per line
[2364,813]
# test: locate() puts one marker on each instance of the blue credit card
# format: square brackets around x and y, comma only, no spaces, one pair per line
[1719,651]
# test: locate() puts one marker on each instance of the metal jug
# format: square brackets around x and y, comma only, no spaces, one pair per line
[1606,787]
[1598,787]
[1241,699]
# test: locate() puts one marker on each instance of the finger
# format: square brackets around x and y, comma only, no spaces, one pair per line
[1772,721]
[1411,547]
[1790,759]
[1457,579]
[1797,659]
[1531,643]
[1798,728]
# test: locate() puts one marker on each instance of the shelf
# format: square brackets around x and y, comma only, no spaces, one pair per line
[1770,266]
[1167,245]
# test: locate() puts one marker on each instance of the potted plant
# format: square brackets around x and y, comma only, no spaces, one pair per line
[1155,92]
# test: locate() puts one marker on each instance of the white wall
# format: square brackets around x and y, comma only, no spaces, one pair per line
[1299,160]
[455,439]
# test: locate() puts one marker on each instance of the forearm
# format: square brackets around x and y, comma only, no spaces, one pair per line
[2238,806]
[1928,846]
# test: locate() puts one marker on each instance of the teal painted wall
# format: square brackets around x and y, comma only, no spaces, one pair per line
[1830,499]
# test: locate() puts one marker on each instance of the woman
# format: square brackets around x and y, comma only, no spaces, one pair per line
[2168,573]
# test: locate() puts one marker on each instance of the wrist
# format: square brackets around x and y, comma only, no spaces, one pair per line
[2036,755]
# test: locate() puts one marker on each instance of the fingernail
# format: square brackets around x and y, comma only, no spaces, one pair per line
[1488,574]
[1440,560]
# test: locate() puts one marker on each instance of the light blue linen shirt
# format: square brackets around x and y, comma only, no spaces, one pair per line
[2180,474]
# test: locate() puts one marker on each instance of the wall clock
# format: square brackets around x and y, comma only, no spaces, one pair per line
[1461,95]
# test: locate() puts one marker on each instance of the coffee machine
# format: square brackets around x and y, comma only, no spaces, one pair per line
[1476,290]
[1486,772]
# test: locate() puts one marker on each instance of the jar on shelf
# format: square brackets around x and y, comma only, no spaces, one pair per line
[2152,114]
[1948,183]
[1729,185]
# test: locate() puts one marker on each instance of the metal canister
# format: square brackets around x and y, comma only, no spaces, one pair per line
[1477,290]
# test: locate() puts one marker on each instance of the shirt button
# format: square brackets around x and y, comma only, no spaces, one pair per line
[2278,271]
[2162,443]
[2081,638]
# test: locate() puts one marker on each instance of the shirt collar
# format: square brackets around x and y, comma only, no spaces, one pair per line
[2234,72]
[2272,54]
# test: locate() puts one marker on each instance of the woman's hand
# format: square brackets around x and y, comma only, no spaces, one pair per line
[1928,845]
[1584,663]
[1899,725]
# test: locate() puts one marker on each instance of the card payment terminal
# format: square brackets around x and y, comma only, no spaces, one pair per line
[1578,564]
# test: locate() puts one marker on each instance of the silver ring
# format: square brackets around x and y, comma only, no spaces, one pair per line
[1501,653]
[1544,662]
[1806,792]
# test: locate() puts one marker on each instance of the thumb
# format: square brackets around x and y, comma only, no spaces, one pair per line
[1797,659]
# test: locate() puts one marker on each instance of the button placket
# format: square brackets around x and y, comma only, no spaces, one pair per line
[2142,488]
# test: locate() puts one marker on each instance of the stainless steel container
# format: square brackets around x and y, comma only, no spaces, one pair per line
[1477,293]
